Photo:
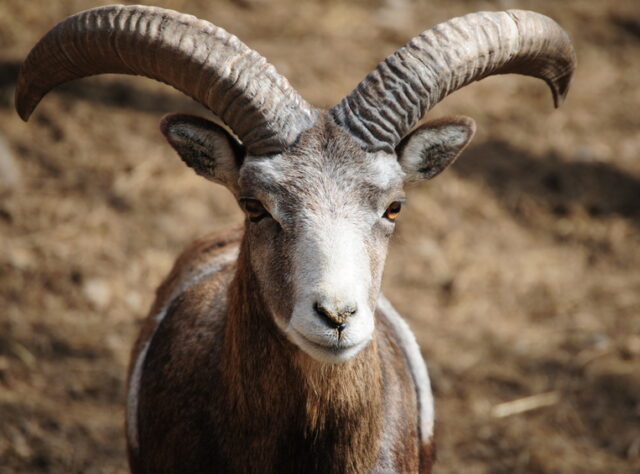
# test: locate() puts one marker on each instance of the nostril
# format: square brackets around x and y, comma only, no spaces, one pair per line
[322,311]
[349,311]
[334,319]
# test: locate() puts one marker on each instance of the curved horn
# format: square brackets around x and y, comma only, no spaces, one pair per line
[389,102]
[196,57]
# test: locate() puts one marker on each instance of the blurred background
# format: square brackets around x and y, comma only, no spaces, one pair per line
[518,268]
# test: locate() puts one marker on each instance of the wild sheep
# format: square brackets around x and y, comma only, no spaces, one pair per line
[271,349]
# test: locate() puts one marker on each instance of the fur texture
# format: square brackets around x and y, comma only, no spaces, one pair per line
[235,370]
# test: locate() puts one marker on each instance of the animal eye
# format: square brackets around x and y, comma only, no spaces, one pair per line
[254,209]
[393,210]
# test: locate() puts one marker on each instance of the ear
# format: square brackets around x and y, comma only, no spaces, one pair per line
[431,148]
[205,147]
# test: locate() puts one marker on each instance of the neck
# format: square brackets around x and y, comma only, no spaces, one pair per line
[284,404]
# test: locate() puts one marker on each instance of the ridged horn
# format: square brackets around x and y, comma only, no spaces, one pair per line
[196,57]
[389,102]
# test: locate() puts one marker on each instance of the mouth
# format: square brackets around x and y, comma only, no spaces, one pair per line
[334,352]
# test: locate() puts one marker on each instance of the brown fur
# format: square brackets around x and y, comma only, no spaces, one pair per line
[427,456]
[224,391]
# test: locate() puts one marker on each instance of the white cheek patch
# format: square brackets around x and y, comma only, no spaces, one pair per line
[417,366]
[214,266]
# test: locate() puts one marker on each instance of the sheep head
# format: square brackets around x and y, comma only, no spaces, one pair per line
[321,189]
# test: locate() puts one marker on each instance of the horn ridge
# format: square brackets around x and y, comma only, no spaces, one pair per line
[452,54]
[194,56]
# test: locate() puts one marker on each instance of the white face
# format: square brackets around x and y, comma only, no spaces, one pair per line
[332,268]
[319,250]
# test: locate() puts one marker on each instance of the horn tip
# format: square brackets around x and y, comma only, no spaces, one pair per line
[23,112]
[24,109]
[560,89]
[23,105]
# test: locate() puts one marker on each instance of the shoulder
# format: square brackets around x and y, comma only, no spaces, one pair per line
[203,268]
[196,284]
[203,258]
[189,310]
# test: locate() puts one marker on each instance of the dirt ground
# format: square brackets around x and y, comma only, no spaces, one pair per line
[518,268]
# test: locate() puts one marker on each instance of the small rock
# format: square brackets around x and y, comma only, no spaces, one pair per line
[22,258]
[19,443]
[98,292]
[23,354]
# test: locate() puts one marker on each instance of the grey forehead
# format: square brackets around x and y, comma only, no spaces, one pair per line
[322,173]
[325,164]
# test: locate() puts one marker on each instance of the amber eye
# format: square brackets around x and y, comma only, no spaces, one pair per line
[393,210]
[254,209]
